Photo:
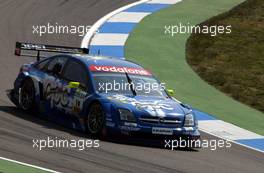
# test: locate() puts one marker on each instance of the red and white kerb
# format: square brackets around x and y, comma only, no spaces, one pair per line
[114,69]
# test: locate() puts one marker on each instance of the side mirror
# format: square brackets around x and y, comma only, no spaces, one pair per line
[170,92]
[74,85]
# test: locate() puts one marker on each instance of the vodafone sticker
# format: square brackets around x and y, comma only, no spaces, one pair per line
[114,69]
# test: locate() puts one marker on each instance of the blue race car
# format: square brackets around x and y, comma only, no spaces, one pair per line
[98,94]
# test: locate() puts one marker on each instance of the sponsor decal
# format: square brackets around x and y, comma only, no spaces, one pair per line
[153,107]
[162,131]
[62,97]
[32,46]
[114,69]
[129,128]
[110,124]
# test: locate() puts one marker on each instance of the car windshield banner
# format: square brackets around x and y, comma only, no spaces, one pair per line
[114,69]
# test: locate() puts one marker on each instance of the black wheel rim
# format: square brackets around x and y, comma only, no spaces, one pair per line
[95,120]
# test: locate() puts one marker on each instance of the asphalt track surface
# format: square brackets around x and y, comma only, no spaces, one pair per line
[17,129]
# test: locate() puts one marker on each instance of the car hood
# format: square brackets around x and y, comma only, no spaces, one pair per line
[148,106]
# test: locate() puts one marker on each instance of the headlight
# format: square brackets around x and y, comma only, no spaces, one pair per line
[126,115]
[189,120]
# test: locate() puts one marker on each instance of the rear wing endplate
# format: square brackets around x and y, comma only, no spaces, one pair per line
[20,46]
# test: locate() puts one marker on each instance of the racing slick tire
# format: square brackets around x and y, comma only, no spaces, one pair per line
[95,121]
[27,96]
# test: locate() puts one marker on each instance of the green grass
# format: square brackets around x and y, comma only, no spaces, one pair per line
[10,167]
[233,63]
[165,57]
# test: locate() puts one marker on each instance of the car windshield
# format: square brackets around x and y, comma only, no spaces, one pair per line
[123,83]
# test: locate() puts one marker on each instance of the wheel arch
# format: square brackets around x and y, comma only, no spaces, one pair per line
[88,106]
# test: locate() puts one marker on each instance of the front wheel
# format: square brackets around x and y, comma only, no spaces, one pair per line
[96,120]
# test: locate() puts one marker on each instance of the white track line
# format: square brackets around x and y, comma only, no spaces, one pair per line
[132,17]
[109,39]
[227,130]
[164,2]
[87,38]
[29,165]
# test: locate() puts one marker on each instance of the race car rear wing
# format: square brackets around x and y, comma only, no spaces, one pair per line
[20,46]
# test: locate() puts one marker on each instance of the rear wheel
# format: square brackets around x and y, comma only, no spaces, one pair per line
[27,96]
[96,120]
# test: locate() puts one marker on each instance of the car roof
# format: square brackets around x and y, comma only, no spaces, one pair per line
[105,61]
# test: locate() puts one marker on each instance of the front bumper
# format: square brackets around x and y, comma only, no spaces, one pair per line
[134,129]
